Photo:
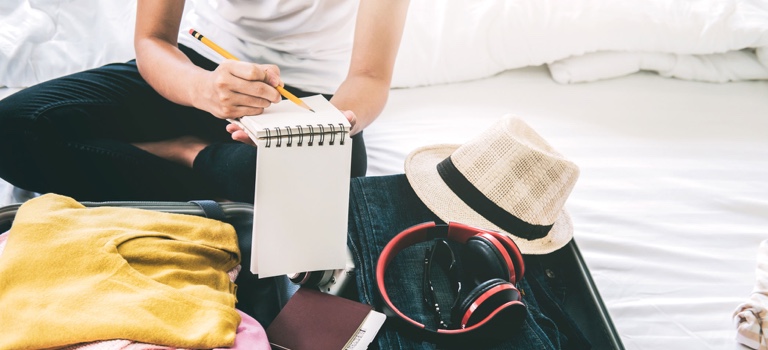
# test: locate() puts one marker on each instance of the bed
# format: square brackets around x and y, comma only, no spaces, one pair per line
[672,201]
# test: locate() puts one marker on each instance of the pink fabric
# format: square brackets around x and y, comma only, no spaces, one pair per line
[3,239]
[250,336]
[250,333]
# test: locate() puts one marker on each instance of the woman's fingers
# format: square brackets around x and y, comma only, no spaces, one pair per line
[241,88]
[243,137]
[230,112]
[250,79]
[272,75]
[350,116]
[266,74]
[239,135]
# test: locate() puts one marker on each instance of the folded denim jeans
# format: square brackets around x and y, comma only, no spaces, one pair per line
[383,206]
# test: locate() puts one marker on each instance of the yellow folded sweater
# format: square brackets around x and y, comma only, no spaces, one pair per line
[71,274]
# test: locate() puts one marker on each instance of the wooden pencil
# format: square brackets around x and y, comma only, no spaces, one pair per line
[287,94]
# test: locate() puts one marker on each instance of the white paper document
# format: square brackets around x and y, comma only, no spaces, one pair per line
[364,336]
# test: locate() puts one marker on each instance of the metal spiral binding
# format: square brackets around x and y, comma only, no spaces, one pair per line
[333,134]
[290,136]
[301,135]
[276,133]
[322,134]
[279,139]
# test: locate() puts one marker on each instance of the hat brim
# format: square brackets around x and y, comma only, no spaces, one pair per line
[421,171]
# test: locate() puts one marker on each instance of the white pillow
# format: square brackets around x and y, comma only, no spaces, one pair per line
[456,40]
[45,39]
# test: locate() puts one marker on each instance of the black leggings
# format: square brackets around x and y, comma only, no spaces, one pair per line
[72,136]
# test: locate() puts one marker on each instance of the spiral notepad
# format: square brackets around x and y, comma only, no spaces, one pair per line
[302,187]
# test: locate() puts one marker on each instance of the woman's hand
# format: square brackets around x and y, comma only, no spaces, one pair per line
[352,117]
[239,88]
[233,90]
[239,134]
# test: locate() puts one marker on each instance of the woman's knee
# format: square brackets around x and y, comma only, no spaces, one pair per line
[35,109]
[17,155]
[15,112]
[24,139]
[16,120]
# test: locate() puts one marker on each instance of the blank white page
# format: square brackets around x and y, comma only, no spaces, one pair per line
[301,202]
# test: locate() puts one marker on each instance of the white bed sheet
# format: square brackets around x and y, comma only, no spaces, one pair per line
[672,200]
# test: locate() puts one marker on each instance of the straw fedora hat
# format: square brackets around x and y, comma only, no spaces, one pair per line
[507,179]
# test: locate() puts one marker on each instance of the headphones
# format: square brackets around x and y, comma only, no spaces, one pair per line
[327,281]
[492,308]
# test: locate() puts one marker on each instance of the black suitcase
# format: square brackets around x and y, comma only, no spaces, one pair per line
[260,298]
[586,308]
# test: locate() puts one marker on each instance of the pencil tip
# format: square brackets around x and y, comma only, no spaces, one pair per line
[312,110]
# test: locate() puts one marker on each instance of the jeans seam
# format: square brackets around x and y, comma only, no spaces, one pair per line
[541,290]
[367,229]
[356,255]
[47,107]
[538,338]
[102,151]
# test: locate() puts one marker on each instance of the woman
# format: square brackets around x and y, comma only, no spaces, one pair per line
[155,128]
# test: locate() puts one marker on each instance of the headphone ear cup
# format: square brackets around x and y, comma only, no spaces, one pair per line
[495,295]
[514,254]
[484,261]
[311,278]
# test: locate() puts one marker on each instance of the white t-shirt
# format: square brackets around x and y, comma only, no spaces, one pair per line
[310,40]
